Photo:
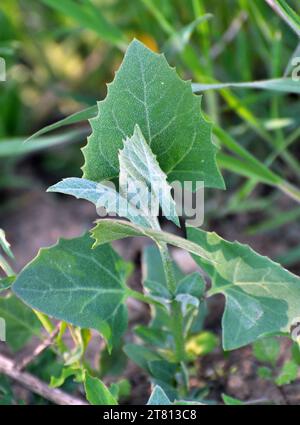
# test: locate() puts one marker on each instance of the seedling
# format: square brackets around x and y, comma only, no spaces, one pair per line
[149,132]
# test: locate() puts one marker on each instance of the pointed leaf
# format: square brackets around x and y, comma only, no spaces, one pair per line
[261,296]
[100,195]
[147,92]
[5,244]
[267,350]
[140,171]
[97,393]
[288,373]
[74,283]
[111,230]
[158,397]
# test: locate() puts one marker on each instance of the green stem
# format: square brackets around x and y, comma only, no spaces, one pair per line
[45,321]
[141,297]
[176,317]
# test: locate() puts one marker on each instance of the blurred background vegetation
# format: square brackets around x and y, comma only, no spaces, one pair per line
[61,54]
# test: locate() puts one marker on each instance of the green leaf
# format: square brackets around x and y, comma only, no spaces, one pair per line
[113,363]
[117,324]
[97,393]
[295,350]
[163,370]
[282,8]
[152,335]
[284,85]
[288,373]
[120,389]
[66,372]
[154,281]
[100,195]
[267,350]
[158,397]
[139,172]
[192,284]
[154,278]
[147,92]
[17,147]
[230,401]
[109,230]
[141,355]
[88,16]
[140,178]
[6,282]
[71,282]
[75,118]
[261,297]
[265,373]
[5,244]
[21,322]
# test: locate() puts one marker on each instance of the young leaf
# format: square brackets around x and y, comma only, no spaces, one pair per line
[267,350]
[288,374]
[152,335]
[147,92]
[140,176]
[116,327]
[71,282]
[154,281]
[265,372]
[154,277]
[163,370]
[261,296]
[201,344]
[139,168]
[97,393]
[192,284]
[158,397]
[21,322]
[100,195]
[67,372]
[111,230]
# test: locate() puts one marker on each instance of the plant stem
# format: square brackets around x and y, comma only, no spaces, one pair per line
[141,297]
[45,321]
[176,317]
